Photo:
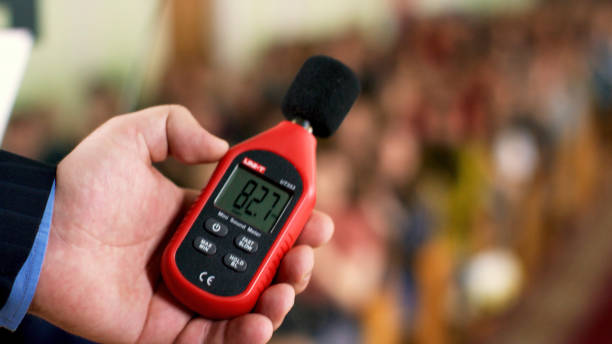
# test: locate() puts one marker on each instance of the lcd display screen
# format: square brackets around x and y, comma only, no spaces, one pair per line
[252,199]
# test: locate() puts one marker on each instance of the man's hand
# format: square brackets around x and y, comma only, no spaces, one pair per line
[114,213]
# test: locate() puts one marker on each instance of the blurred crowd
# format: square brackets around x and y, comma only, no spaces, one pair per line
[475,147]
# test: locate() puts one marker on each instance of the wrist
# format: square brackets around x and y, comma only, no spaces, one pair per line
[36,307]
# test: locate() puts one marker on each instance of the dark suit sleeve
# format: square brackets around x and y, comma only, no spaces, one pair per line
[24,189]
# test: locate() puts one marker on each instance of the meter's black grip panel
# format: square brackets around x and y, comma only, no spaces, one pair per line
[221,253]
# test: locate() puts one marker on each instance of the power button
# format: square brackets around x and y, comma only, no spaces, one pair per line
[216,227]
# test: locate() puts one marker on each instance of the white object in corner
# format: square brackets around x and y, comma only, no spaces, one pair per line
[15,49]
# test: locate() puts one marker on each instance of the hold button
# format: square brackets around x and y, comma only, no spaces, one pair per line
[234,262]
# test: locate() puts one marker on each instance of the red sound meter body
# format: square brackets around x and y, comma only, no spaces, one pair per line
[201,269]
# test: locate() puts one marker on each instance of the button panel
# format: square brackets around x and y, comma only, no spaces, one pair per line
[234,262]
[246,244]
[215,227]
[205,246]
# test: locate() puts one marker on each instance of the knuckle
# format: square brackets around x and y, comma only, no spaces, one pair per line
[177,108]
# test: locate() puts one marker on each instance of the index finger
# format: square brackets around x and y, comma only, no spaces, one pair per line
[317,231]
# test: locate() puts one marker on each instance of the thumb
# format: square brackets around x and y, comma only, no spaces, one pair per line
[172,130]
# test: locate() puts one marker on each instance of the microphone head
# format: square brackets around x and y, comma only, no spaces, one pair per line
[322,93]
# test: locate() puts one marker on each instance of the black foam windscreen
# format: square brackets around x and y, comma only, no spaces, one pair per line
[322,92]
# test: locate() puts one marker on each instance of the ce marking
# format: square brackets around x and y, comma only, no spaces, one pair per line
[209,280]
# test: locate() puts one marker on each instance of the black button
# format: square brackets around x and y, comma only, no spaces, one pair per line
[216,227]
[204,246]
[234,262]
[246,244]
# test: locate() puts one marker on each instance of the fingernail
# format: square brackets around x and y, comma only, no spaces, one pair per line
[306,278]
[220,143]
[223,144]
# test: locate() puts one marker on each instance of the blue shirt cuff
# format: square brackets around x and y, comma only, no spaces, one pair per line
[22,293]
